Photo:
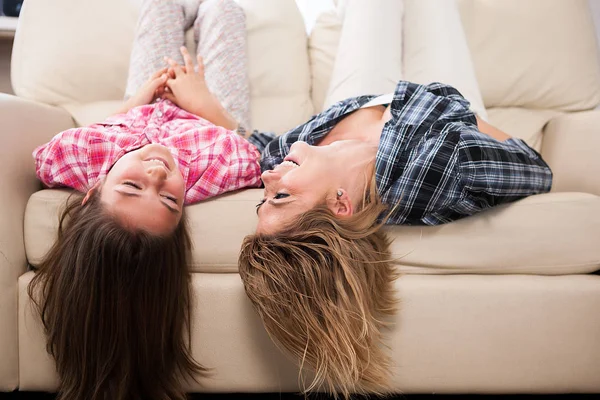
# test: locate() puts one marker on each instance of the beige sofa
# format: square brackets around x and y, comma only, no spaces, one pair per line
[503,302]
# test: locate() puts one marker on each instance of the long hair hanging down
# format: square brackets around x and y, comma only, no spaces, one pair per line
[115,307]
[323,288]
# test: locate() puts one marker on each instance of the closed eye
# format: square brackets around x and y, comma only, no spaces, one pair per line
[132,184]
[277,196]
[260,204]
[170,198]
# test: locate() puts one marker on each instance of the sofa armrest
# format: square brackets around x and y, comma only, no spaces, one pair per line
[571,147]
[24,125]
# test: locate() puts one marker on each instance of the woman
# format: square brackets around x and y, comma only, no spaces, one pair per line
[318,268]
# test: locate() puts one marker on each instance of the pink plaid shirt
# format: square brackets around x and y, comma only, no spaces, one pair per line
[212,159]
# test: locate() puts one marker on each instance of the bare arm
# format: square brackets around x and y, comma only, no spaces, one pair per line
[492,131]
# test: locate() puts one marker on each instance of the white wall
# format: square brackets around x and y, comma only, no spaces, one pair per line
[311,9]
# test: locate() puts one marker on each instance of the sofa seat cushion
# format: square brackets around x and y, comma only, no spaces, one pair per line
[90,113]
[549,234]
[524,123]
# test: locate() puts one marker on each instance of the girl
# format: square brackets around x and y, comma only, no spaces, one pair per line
[113,293]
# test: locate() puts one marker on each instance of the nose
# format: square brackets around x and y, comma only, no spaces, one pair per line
[269,176]
[158,173]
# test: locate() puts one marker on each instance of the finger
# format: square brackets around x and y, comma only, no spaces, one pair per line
[170,84]
[157,82]
[159,73]
[174,65]
[169,96]
[187,59]
[171,72]
[177,70]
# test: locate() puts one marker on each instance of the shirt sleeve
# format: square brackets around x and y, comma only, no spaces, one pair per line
[63,162]
[450,92]
[233,165]
[493,172]
[261,139]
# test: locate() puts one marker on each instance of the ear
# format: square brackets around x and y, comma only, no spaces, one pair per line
[90,192]
[342,206]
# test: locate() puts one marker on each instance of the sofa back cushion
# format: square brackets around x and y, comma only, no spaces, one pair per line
[534,53]
[77,51]
[537,54]
[73,50]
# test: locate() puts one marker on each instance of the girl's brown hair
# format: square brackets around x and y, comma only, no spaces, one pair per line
[323,288]
[115,307]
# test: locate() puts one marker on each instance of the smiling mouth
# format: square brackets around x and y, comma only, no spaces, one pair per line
[159,161]
[289,161]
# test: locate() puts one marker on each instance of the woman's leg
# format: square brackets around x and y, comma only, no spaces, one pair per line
[220,31]
[436,49]
[160,32]
[369,54]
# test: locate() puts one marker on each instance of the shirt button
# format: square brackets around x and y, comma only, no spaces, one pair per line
[159,114]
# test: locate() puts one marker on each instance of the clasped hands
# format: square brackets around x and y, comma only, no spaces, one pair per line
[186,87]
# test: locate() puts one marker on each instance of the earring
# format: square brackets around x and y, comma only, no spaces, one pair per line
[339,193]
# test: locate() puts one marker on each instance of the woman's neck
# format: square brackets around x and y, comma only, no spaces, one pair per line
[359,167]
[364,124]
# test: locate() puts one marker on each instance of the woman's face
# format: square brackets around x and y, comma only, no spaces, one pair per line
[146,190]
[311,176]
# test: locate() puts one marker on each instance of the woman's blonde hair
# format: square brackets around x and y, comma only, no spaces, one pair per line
[323,288]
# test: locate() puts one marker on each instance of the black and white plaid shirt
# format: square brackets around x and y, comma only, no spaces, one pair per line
[433,165]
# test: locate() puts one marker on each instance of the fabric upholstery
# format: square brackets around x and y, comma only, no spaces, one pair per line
[464,325]
[90,113]
[537,54]
[425,55]
[278,65]
[58,58]
[524,123]
[455,334]
[322,44]
[547,234]
[570,147]
[17,174]
[96,60]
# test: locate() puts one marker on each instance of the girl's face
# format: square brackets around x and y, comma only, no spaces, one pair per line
[146,190]
[312,176]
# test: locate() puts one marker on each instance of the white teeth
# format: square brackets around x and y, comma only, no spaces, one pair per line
[290,163]
[156,161]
